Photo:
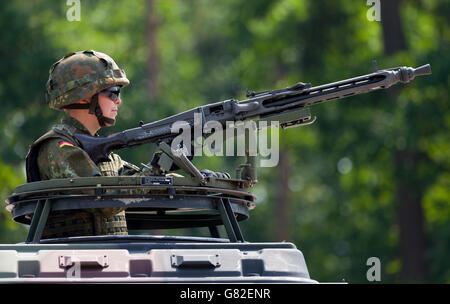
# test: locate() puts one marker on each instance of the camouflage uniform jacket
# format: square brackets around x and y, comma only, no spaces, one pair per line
[57,154]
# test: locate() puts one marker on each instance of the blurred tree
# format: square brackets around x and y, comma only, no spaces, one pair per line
[283,205]
[409,186]
[153,57]
[340,179]
[10,232]
[26,53]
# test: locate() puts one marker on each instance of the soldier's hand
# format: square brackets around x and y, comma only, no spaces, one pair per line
[209,173]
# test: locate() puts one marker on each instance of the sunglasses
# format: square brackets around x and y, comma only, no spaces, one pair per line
[113,93]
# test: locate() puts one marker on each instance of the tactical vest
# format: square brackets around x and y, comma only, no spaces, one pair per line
[108,221]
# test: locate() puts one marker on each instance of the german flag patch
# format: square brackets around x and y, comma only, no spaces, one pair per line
[63,143]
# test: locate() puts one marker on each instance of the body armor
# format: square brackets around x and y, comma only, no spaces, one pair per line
[107,221]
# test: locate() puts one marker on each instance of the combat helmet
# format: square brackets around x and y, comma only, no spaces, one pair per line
[81,76]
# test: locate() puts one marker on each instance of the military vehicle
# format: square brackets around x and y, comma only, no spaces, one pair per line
[163,201]
[172,202]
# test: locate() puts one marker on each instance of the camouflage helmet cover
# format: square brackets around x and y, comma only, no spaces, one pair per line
[79,76]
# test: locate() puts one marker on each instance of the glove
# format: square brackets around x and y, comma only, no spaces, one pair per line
[209,173]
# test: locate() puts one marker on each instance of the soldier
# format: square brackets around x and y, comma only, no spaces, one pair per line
[86,86]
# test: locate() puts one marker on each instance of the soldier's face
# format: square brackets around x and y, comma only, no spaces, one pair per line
[108,106]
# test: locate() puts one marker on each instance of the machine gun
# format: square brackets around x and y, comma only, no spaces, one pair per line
[166,202]
[288,106]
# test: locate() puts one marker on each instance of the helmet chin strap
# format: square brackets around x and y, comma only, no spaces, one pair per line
[94,108]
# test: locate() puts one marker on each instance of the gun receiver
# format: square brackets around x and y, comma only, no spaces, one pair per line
[288,106]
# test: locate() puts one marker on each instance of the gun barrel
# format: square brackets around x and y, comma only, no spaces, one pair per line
[423,70]
[406,74]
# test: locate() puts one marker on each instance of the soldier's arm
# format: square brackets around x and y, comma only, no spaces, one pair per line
[58,158]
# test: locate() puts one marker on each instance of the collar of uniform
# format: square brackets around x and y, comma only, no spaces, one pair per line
[69,120]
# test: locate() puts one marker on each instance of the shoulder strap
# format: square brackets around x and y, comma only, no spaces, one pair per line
[67,132]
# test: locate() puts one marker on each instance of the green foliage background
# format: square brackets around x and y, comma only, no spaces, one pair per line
[342,181]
